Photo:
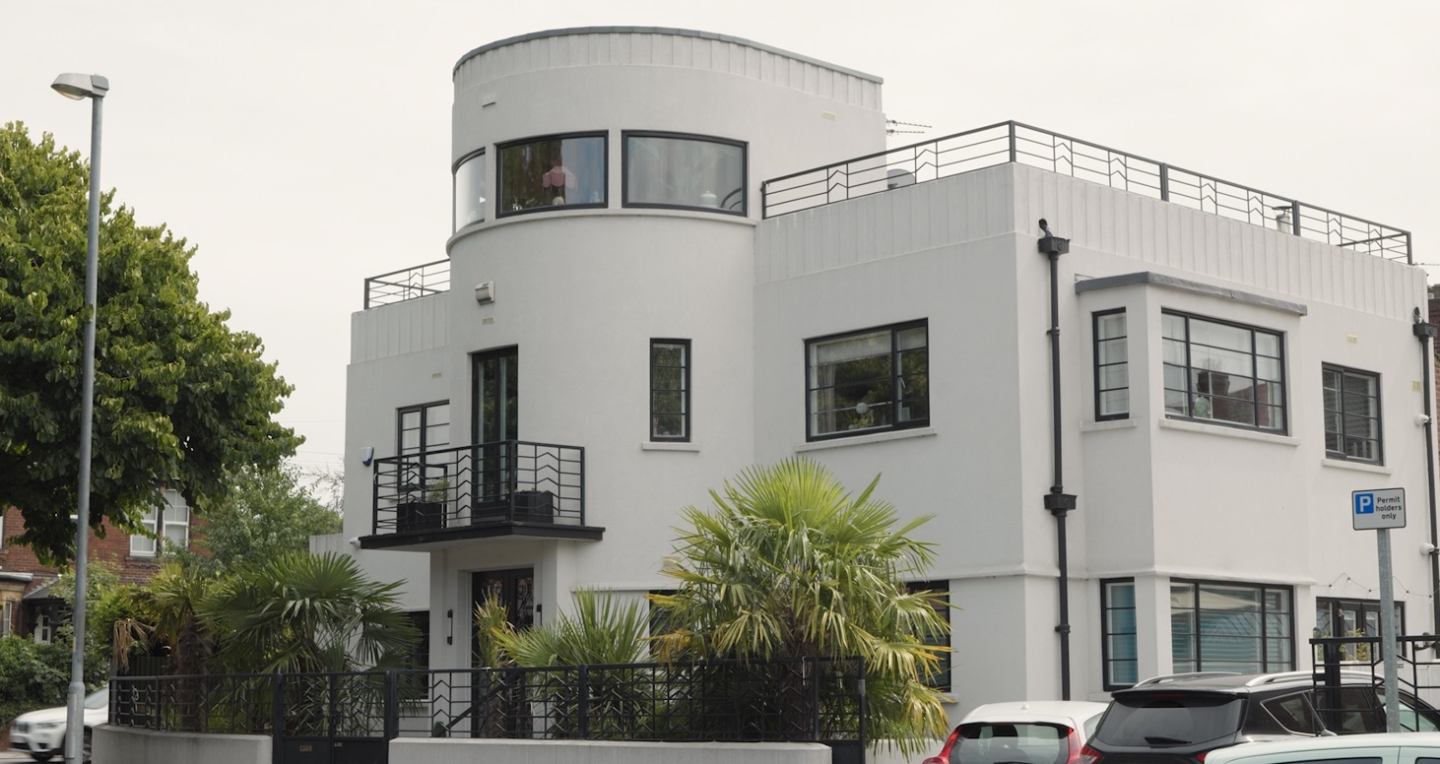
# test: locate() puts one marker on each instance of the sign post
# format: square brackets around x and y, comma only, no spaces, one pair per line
[1380,510]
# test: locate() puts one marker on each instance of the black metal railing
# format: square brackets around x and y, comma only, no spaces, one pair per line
[1014,142]
[407,284]
[508,481]
[1417,661]
[802,700]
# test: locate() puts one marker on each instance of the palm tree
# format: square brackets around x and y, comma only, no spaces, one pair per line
[303,613]
[788,565]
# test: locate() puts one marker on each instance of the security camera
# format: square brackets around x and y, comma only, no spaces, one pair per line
[1422,419]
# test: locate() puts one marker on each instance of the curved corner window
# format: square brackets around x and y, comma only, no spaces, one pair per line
[469,190]
[550,173]
[690,172]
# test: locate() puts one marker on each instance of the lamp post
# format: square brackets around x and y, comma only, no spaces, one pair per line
[94,87]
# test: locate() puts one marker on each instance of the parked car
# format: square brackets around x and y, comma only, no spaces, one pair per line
[42,733]
[1180,719]
[1023,732]
[1372,748]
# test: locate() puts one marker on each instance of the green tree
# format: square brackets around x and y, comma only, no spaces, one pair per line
[179,397]
[787,565]
[302,613]
[32,675]
[267,511]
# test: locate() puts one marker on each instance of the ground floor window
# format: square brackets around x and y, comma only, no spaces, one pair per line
[1117,606]
[1244,628]
[1352,618]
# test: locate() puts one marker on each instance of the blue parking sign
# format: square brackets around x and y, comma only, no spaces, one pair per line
[1377,509]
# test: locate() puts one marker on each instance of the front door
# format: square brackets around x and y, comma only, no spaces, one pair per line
[496,397]
[499,705]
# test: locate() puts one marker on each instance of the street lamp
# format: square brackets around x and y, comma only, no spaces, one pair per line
[94,87]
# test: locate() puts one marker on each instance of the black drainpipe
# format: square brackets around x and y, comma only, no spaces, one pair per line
[1057,502]
[1425,332]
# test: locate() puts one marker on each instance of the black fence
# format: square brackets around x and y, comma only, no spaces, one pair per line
[1338,659]
[506,481]
[1014,142]
[407,284]
[780,701]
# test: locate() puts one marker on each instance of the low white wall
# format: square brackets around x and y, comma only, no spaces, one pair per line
[123,745]
[451,751]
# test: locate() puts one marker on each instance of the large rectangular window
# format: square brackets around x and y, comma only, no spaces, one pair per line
[690,171]
[165,526]
[1244,628]
[1352,414]
[877,379]
[1223,372]
[670,390]
[1117,606]
[550,173]
[1112,366]
[940,680]
[469,190]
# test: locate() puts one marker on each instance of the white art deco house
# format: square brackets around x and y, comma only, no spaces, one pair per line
[676,254]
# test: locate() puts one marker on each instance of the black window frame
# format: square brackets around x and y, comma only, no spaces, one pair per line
[685,399]
[1191,396]
[1327,369]
[1107,659]
[1333,606]
[455,224]
[500,148]
[895,374]
[1265,664]
[626,135]
[943,677]
[424,410]
[1124,341]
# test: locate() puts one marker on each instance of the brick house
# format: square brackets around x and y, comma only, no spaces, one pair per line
[28,604]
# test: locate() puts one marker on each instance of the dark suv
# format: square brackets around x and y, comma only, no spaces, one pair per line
[1178,719]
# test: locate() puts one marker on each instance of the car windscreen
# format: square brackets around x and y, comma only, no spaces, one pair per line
[1025,743]
[1153,719]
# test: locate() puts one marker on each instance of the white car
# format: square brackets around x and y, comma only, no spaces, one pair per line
[42,733]
[1370,748]
[1022,732]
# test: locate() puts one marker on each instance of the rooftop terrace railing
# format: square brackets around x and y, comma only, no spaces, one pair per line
[1014,142]
[407,284]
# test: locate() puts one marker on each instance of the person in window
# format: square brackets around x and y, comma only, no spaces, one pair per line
[558,181]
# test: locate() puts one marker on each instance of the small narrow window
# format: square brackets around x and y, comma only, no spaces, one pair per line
[1112,366]
[670,390]
[1117,606]
[940,680]
[469,190]
[1352,414]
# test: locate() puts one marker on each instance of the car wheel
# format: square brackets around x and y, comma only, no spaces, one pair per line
[41,756]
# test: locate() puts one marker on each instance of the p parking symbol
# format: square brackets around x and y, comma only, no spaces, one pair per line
[1364,503]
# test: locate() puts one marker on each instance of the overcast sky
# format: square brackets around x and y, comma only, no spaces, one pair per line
[305,145]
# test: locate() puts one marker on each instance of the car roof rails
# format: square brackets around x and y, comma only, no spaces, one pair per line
[1168,678]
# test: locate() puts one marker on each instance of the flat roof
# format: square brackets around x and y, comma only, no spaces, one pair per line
[657,30]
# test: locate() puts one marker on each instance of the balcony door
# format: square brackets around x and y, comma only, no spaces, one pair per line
[495,391]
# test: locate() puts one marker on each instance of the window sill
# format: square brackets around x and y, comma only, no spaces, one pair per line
[1342,464]
[663,445]
[1229,432]
[1109,424]
[860,440]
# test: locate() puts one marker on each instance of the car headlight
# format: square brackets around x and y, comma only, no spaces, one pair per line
[49,725]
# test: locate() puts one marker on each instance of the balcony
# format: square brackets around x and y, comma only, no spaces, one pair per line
[407,284]
[488,490]
[1013,142]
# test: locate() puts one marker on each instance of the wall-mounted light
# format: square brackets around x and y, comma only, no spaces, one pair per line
[485,292]
[450,627]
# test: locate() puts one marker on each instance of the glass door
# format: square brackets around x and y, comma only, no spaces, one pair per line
[496,398]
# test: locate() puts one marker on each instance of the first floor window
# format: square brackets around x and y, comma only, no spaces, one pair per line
[551,173]
[1244,628]
[469,191]
[695,172]
[1352,414]
[670,390]
[1112,366]
[941,678]
[1117,606]
[168,525]
[876,379]
[1223,372]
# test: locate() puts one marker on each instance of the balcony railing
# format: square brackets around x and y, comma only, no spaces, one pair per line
[407,284]
[489,484]
[1013,142]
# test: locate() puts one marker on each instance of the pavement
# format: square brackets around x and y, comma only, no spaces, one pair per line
[9,755]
